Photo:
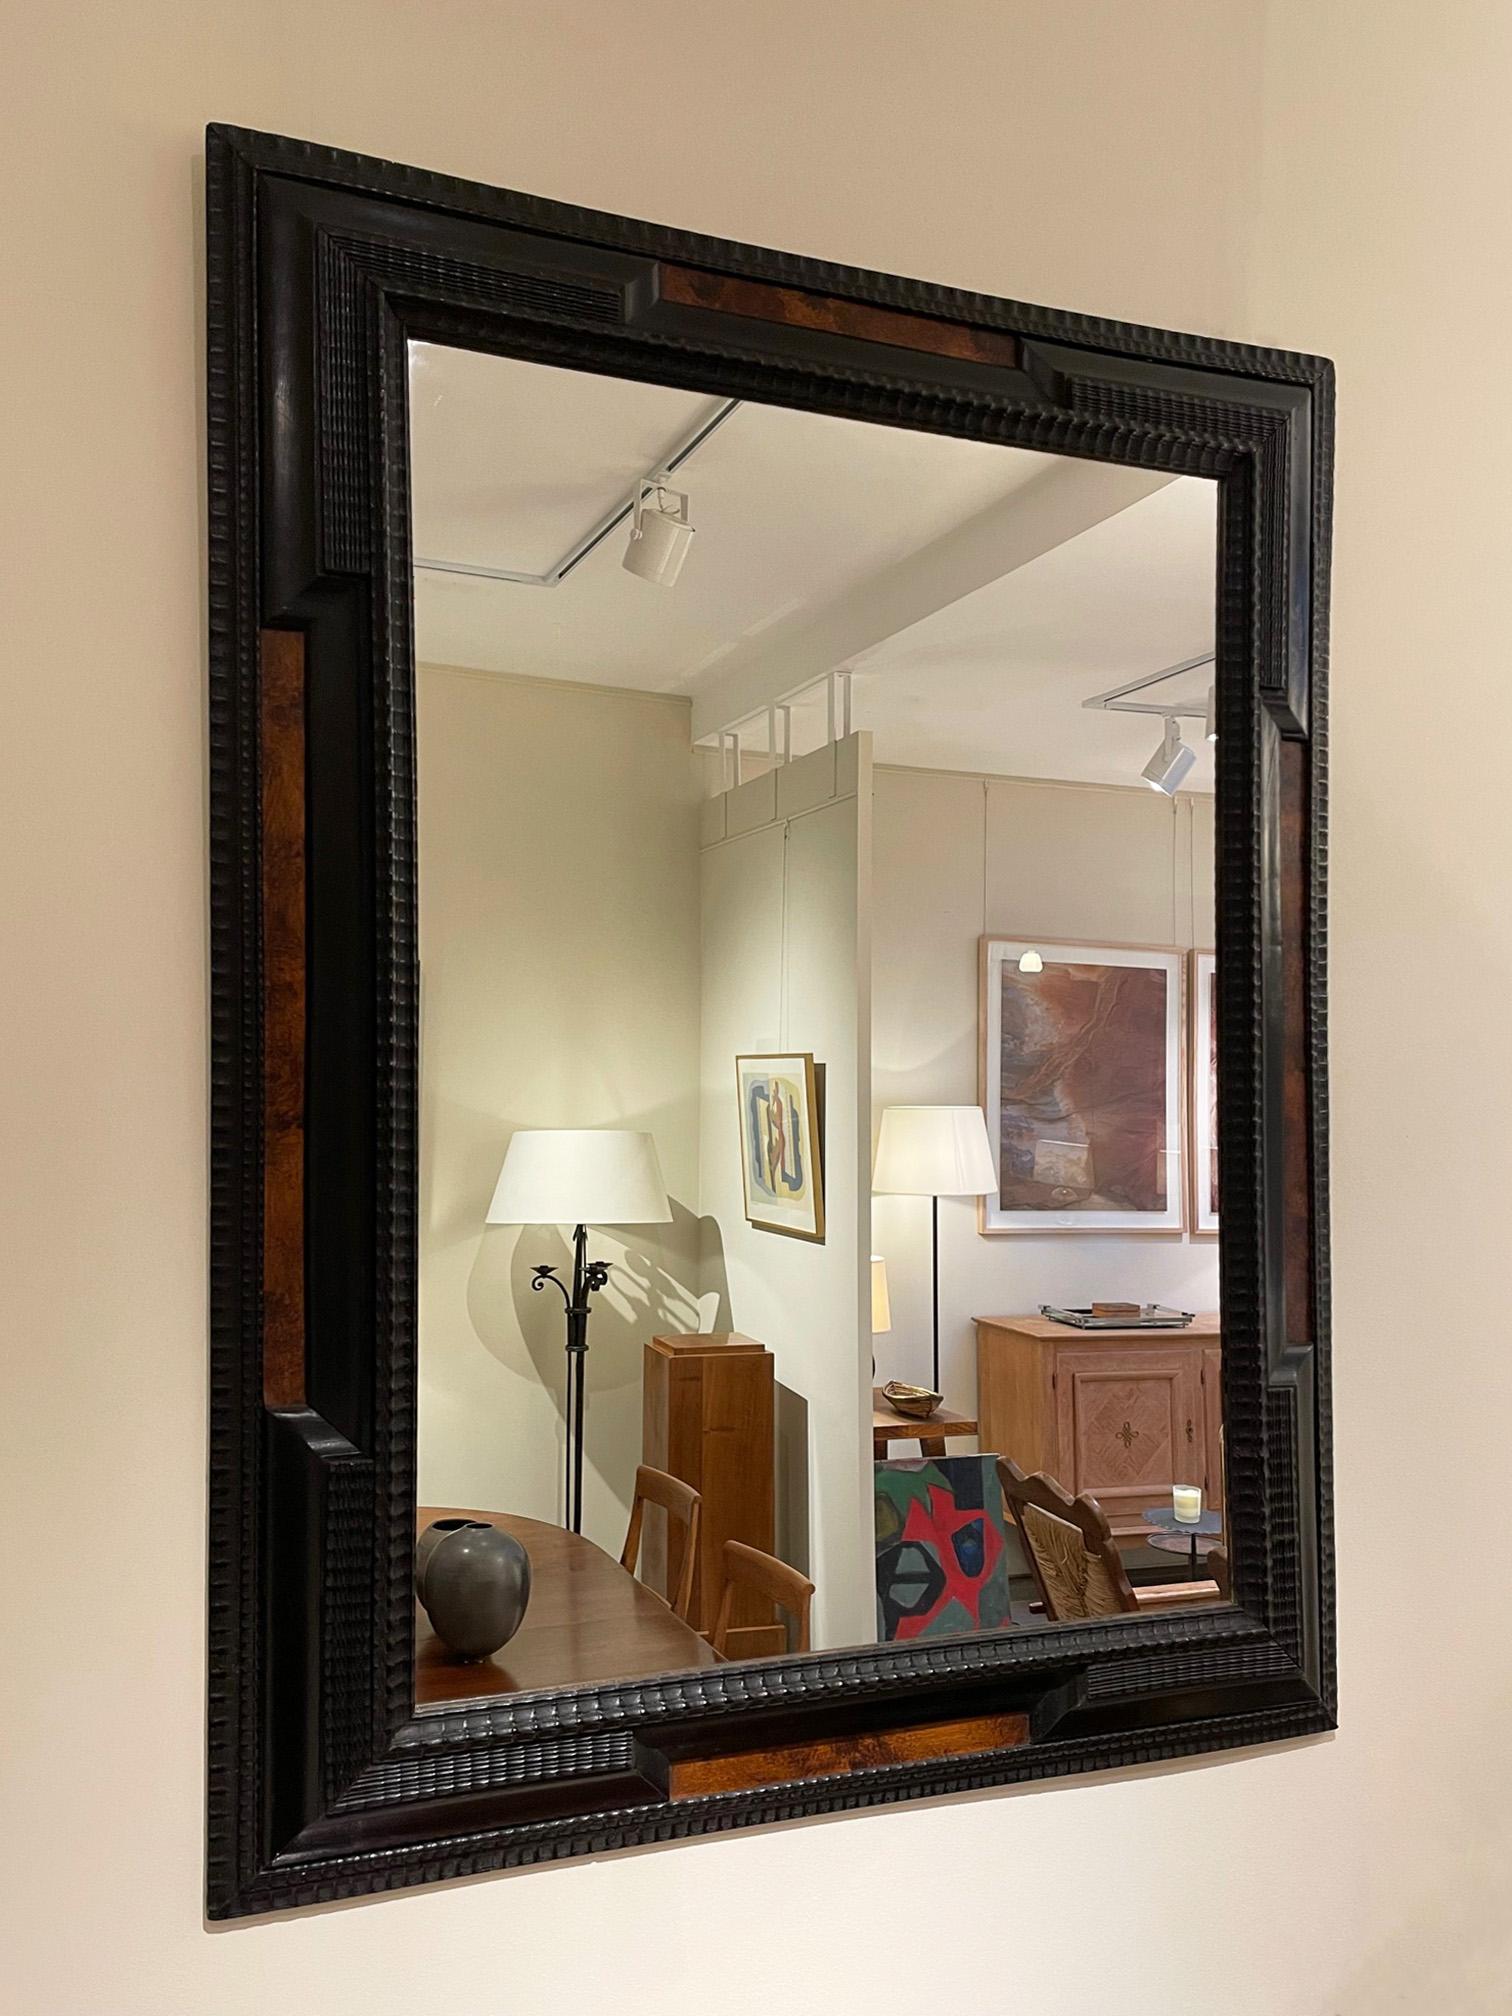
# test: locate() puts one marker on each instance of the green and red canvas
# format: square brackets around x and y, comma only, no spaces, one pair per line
[942,1554]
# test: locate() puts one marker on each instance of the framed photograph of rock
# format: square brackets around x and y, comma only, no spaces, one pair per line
[1202,1099]
[1083,1078]
[779,1144]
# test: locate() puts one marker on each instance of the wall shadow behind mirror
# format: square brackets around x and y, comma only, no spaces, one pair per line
[816,858]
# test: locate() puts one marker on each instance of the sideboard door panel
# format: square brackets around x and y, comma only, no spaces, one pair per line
[1130,1425]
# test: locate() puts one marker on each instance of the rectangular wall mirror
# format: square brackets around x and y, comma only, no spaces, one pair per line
[769,1208]
[673,879]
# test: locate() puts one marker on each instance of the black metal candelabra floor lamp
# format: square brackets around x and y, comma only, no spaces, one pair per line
[587,1277]
[578,1176]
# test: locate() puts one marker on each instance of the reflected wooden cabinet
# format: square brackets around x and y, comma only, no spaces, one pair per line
[708,1417]
[1122,1414]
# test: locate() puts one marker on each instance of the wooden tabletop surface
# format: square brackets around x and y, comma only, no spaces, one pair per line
[888,1425]
[588,1620]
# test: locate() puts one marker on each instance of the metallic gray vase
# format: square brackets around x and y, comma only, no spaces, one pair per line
[473,1581]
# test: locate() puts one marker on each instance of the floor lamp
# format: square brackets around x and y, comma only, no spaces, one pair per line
[578,1176]
[934,1152]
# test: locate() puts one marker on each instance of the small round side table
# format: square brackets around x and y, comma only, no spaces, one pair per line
[1171,1535]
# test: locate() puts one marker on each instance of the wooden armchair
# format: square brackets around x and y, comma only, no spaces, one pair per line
[748,1568]
[1071,1552]
[679,1501]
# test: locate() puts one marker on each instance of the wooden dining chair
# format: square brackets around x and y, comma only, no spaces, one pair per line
[748,1568]
[1073,1556]
[679,1501]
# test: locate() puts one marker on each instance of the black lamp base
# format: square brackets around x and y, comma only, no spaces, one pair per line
[934,1207]
[587,1277]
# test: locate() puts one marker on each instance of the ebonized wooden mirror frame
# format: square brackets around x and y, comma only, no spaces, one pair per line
[322,1781]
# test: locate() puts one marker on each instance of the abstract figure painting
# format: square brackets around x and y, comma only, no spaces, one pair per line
[1204,1092]
[942,1561]
[779,1144]
[1082,1081]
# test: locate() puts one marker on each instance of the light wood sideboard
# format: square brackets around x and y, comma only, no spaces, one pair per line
[1122,1414]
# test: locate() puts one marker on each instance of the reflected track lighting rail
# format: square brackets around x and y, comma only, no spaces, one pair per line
[1115,700]
[575,555]
[1168,768]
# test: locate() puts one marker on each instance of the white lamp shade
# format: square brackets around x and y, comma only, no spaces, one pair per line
[934,1151]
[580,1176]
[881,1307]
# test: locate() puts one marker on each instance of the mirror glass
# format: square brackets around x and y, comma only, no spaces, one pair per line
[819,1230]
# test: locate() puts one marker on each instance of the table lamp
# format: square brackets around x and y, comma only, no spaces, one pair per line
[881,1307]
[881,1318]
[934,1152]
[578,1176]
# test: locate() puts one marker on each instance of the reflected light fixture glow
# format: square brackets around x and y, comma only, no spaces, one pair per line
[1030,962]
[1170,763]
[1211,730]
[881,1318]
[660,534]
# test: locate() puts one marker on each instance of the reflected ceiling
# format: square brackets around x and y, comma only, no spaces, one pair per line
[979,593]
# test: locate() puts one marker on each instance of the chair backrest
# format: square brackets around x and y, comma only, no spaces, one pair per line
[1076,1565]
[679,1501]
[748,1568]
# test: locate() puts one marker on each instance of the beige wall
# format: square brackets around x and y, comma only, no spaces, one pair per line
[954,857]
[1085,152]
[558,844]
[786,874]
[1382,242]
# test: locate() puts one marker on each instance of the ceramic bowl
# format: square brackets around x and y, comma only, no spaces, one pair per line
[917,1402]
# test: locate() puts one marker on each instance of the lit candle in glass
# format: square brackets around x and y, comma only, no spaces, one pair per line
[1186,1501]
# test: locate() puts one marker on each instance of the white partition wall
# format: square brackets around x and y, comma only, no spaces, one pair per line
[559,959]
[958,856]
[786,874]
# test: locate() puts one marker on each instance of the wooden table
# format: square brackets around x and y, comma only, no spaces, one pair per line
[588,1620]
[888,1425]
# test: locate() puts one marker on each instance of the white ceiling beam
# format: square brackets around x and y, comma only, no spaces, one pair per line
[1058,505]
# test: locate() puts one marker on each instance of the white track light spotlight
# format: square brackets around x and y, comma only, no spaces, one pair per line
[1030,961]
[660,534]
[1170,763]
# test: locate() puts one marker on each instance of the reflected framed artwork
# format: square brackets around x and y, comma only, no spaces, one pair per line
[1082,1081]
[780,1156]
[942,1550]
[1202,1151]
